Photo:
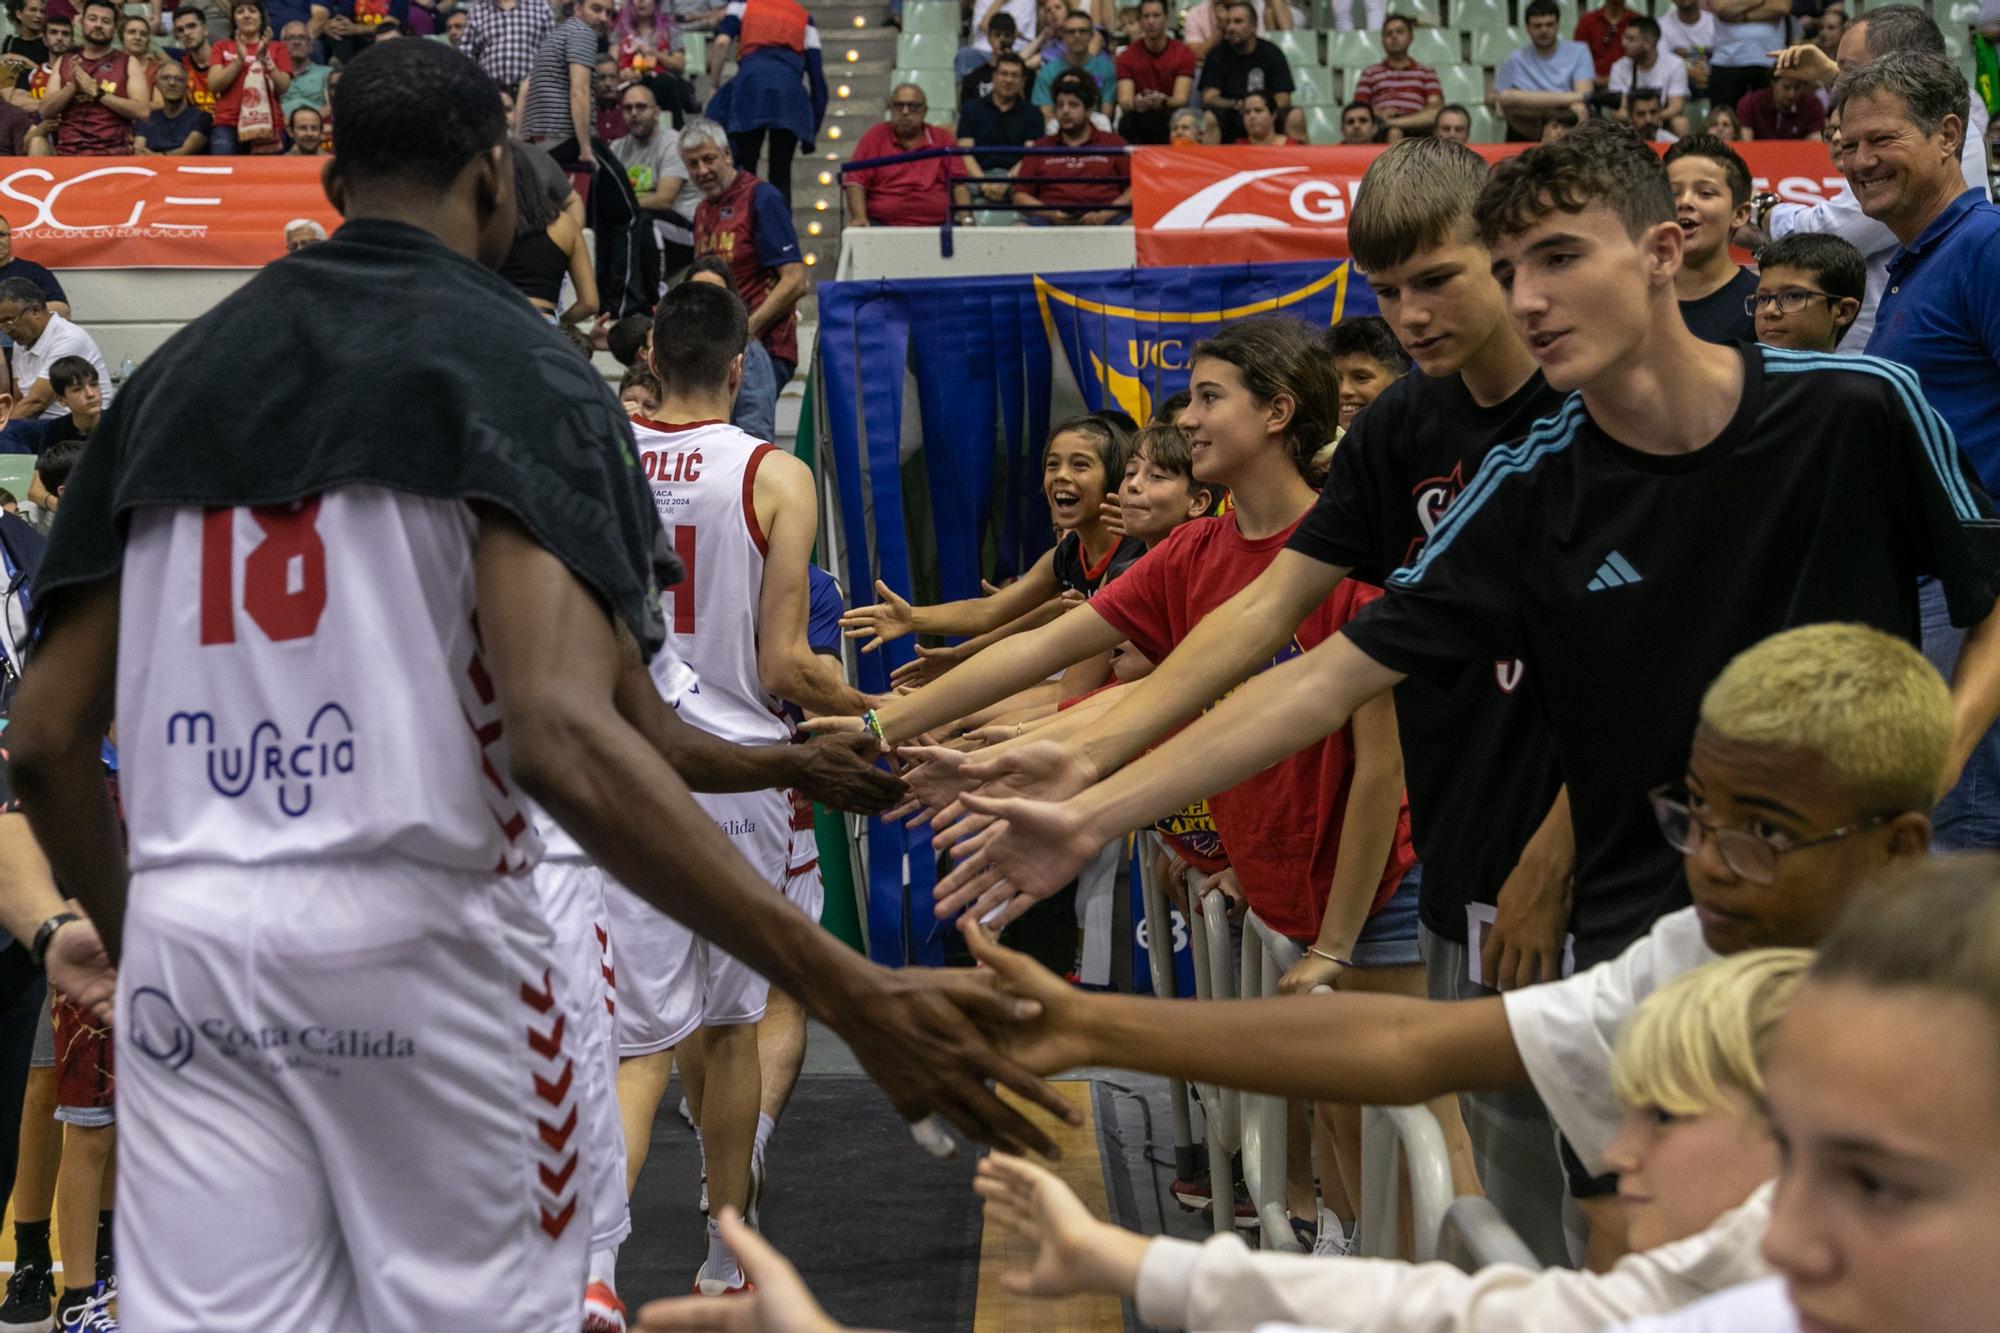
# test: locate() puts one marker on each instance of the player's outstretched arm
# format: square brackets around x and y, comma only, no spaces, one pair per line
[61,715]
[1347,1046]
[555,660]
[831,770]
[1040,845]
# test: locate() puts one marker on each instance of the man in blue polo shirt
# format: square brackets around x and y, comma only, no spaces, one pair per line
[1902,124]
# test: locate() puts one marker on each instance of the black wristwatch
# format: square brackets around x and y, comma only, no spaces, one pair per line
[38,951]
[1760,210]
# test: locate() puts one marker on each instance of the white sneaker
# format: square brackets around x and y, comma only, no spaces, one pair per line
[704,1285]
[1334,1243]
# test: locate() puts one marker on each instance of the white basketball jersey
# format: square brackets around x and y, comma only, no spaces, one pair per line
[305,680]
[674,679]
[703,477]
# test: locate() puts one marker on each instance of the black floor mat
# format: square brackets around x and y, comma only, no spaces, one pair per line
[885,1235]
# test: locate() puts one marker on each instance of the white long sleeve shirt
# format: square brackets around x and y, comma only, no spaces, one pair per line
[1221,1286]
[1842,216]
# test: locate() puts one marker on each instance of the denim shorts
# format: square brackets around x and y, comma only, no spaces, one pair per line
[1389,938]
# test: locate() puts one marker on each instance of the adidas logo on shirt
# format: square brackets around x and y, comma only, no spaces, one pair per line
[1615,572]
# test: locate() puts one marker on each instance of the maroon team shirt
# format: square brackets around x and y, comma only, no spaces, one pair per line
[1051,178]
[750,229]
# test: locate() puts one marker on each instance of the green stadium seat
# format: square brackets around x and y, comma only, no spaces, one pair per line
[932,49]
[1465,84]
[1313,86]
[1477,16]
[1491,48]
[1437,47]
[1322,124]
[1956,44]
[932,16]
[1301,46]
[1486,127]
[1352,50]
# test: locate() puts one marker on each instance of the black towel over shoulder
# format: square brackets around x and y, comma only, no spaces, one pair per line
[380,357]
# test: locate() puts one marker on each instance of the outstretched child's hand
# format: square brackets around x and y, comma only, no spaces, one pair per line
[885,621]
[1074,1252]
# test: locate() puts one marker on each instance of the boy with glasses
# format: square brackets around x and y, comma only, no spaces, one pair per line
[1809,290]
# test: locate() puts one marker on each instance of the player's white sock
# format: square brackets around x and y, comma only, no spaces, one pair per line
[721,1265]
[764,1127]
[604,1266]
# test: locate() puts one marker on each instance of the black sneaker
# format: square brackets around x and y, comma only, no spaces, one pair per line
[31,1300]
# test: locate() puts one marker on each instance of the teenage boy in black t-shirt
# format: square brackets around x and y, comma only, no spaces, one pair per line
[1675,510]
[1711,184]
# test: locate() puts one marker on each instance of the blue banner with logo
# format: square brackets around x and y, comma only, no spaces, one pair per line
[982,359]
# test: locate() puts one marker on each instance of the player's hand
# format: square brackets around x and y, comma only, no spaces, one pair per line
[885,621]
[1807,61]
[928,1036]
[1074,1252]
[839,771]
[1056,1038]
[1031,850]
[779,1303]
[1525,945]
[79,967]
[929,664]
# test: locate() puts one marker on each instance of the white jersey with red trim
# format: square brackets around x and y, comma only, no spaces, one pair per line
[674,678]
[703,476]
[305,680]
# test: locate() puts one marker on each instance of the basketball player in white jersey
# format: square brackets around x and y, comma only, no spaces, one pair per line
[337,665]
[742,516]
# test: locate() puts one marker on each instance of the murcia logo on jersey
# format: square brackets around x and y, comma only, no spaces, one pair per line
[267,760]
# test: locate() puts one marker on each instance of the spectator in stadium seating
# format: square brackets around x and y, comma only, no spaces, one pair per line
[627,339]
[308,85]
[355,25]
[1187,126]
[249,54]
[777,46]
[31,85]
[639,392]
[1546,73]
[651,156]
[74,381]
[1046,184]
[1644,65]
[17,128]
[452,34]
[1809,290]
[645,42]
[196,54]
[1260,121]
[14,266]
[1155,77]
[302,232]
[1558,121]
[1004,118]
[135,37]
[504,35]
[1687,31]
[1830,28]
[41,338]
[1647,116]
[29,39]
[607,121]
[903,194]
[973,66]
[1721,122]
[1240,63]
[1748,33]
[1454,122]
[307,129]
[1783,109]
[98,91]
[1711,199]
[1366,360]
[747,223]
[1203,25]
[1357,124]
[177,127]
[548,246]
[1077,58]
[1405,95]
[756,411]
[1602,32]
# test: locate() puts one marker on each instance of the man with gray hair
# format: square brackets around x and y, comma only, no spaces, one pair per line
[1902,130]
[746,222]
[1881,31]
[41,338]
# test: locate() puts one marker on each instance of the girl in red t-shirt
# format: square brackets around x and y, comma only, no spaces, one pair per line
[1320,841]
[236,62]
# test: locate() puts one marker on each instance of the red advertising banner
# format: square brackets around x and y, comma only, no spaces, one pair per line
[159,212]
[1240,204]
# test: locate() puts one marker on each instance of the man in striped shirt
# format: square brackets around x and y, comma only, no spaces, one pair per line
[1405,95]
